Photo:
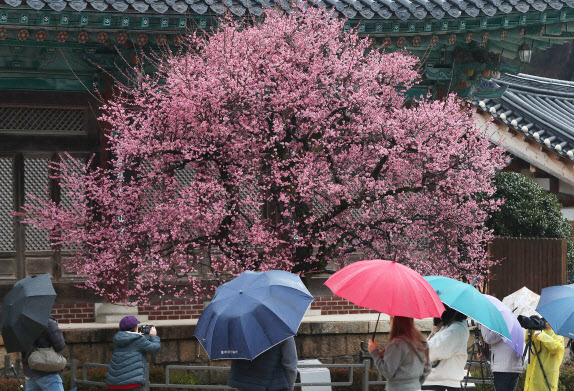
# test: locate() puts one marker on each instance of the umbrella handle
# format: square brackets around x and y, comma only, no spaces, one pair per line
[376,324]
[474,282]
[364,347]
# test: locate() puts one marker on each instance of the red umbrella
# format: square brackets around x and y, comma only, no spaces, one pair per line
[387,287]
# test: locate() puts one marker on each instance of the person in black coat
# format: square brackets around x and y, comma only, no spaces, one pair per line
[45,381]
[128,364]
[273,370]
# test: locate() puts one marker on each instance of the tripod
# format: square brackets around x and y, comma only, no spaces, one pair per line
[477,357]
[531,348]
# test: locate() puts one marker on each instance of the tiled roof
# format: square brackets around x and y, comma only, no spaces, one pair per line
[541,108]
[364,9]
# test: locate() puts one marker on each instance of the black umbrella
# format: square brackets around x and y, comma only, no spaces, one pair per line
[25,312]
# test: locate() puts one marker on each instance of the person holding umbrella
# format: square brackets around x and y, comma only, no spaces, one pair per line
[252,320]
[39,380]
[447,351]
[546,357]
[448,347]
[506,364]
[26,326]
[556,306]
[274,369]
[405,361]
[505,353]
[399,291]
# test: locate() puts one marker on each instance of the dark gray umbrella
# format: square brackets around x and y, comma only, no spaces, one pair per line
[25,312]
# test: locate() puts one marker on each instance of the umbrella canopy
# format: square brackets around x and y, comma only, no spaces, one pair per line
[252,313]
[387,287]
[522,302]
[556,305]
[468,300]
[516,341]
[25,312]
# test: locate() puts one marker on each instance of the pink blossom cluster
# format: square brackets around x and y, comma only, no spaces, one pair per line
[282,144]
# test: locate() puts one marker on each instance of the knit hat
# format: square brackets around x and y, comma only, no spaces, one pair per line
[128,323]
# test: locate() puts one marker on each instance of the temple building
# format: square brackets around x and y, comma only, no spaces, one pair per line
[534,121]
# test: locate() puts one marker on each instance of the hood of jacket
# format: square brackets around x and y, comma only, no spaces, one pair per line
[124,338]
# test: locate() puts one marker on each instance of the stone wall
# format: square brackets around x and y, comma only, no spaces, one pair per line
[329,341]
[190,309]
[68,310]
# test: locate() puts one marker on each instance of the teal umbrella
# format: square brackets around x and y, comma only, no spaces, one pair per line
[468,300]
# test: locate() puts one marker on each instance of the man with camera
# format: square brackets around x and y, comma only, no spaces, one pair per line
[546,352]
[128,364]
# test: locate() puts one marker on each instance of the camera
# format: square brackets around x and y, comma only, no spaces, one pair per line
[472,324]
[533,322]
[145,328]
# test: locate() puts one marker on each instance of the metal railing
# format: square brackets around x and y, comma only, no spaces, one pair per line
[365,366]
[83,379]
[13,370]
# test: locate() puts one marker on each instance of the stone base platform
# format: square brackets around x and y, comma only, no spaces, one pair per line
[329,338]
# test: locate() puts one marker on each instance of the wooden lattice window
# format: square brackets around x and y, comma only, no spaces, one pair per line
[32,134]
[42,120]
[7,242]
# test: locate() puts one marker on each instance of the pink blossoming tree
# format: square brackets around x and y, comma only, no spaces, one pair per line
[284,144]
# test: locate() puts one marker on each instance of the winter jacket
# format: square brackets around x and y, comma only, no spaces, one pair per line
[275,369]
[502,357]
[550,348]
[447,350]
[404,366]
[50,337]
[128,362]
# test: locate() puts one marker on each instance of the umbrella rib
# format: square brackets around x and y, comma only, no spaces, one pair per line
[210,328]
[541,309]
[411,282]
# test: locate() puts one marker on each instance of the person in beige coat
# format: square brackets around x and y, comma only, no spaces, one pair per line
[447,351]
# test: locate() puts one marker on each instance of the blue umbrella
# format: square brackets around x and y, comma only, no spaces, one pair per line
[556,306]
[467,299]
[252,313]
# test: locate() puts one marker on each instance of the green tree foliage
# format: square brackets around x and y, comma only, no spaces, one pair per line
[529,211]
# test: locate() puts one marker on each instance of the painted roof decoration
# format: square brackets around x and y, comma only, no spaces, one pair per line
[540,108]
[464,43]
[367,9]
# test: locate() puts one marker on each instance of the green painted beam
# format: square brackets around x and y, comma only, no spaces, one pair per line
[113,21]
[433,40]
[15,81]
